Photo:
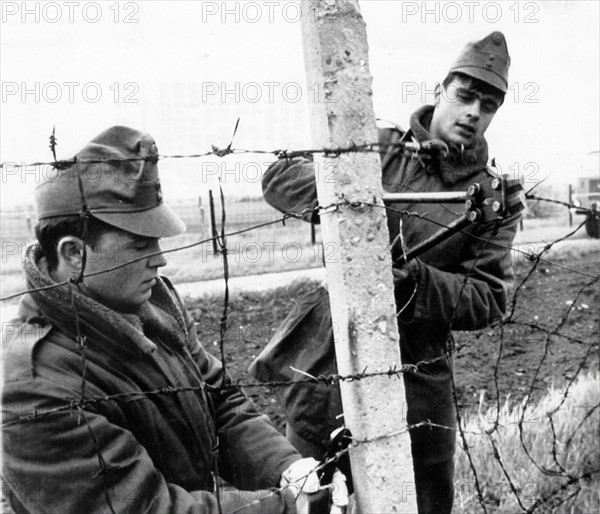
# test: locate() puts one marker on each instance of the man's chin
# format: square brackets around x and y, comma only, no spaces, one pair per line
[463,142]
[133,305]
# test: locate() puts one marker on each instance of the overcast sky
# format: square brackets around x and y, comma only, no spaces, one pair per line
[184,72]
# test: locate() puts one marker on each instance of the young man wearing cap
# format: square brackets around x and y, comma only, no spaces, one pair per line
[459,284]
[110,403]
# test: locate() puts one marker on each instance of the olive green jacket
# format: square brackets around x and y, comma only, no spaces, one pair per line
[153,428]
[461,284]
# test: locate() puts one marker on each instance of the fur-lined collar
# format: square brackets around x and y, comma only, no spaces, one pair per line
[62,306]
[458,165]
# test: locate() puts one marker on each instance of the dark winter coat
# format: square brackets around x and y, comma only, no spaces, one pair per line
[142,452]
[461,284]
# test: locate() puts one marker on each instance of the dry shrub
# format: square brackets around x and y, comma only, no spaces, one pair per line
[552,461]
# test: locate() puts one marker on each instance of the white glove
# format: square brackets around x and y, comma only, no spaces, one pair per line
[339,493]
[300,480]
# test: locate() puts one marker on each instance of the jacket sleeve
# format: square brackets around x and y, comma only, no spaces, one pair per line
[55,463]
[468,296]
[472,294]
[252,452]
[289,186]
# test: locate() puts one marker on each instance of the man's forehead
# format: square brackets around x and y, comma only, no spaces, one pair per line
[464,82]
[471,84]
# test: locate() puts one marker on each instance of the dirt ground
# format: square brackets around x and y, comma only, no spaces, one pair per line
[543,301]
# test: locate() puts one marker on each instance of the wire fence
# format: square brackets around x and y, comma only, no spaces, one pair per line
[568,482]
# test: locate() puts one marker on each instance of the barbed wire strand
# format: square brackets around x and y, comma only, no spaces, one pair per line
[546,349]
[449,349]
[299,215]
[223,152]
[86,401]
[319,209]
[496,451]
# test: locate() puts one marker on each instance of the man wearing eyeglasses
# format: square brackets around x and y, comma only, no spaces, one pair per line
[459,284]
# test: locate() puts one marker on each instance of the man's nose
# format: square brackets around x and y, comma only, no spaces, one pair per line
[159,260]
[474,109]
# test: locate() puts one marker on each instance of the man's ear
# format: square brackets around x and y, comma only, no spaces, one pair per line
[70,252]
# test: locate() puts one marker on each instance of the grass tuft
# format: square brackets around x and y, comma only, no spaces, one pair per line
[550,450]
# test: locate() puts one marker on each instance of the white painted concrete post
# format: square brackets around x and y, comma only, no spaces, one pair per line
[359,277]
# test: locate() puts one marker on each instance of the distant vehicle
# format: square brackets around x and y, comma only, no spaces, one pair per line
[586,198]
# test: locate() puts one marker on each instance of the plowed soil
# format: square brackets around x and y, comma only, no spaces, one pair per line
[556,335]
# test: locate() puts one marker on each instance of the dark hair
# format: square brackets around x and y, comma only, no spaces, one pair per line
[473,83]
[49,232]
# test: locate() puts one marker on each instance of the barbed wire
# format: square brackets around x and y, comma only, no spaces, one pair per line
[84,402]
[62,164]
[419,150]
[90,401]
[320,210]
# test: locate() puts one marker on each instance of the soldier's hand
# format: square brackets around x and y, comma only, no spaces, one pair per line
[301,485]
[399,272]
[403,271]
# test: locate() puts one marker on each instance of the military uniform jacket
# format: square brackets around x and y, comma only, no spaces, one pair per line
[137,450]
[461,284]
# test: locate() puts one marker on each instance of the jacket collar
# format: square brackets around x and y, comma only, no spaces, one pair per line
[62,306]
[458,165]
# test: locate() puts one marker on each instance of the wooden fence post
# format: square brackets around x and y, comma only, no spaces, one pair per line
[359,279]
[570,200]
[213,224]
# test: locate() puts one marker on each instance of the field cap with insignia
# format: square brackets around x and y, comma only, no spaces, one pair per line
[486,60]
[121,187]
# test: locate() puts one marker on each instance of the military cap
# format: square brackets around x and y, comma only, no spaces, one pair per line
[486,60]
[116,177]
